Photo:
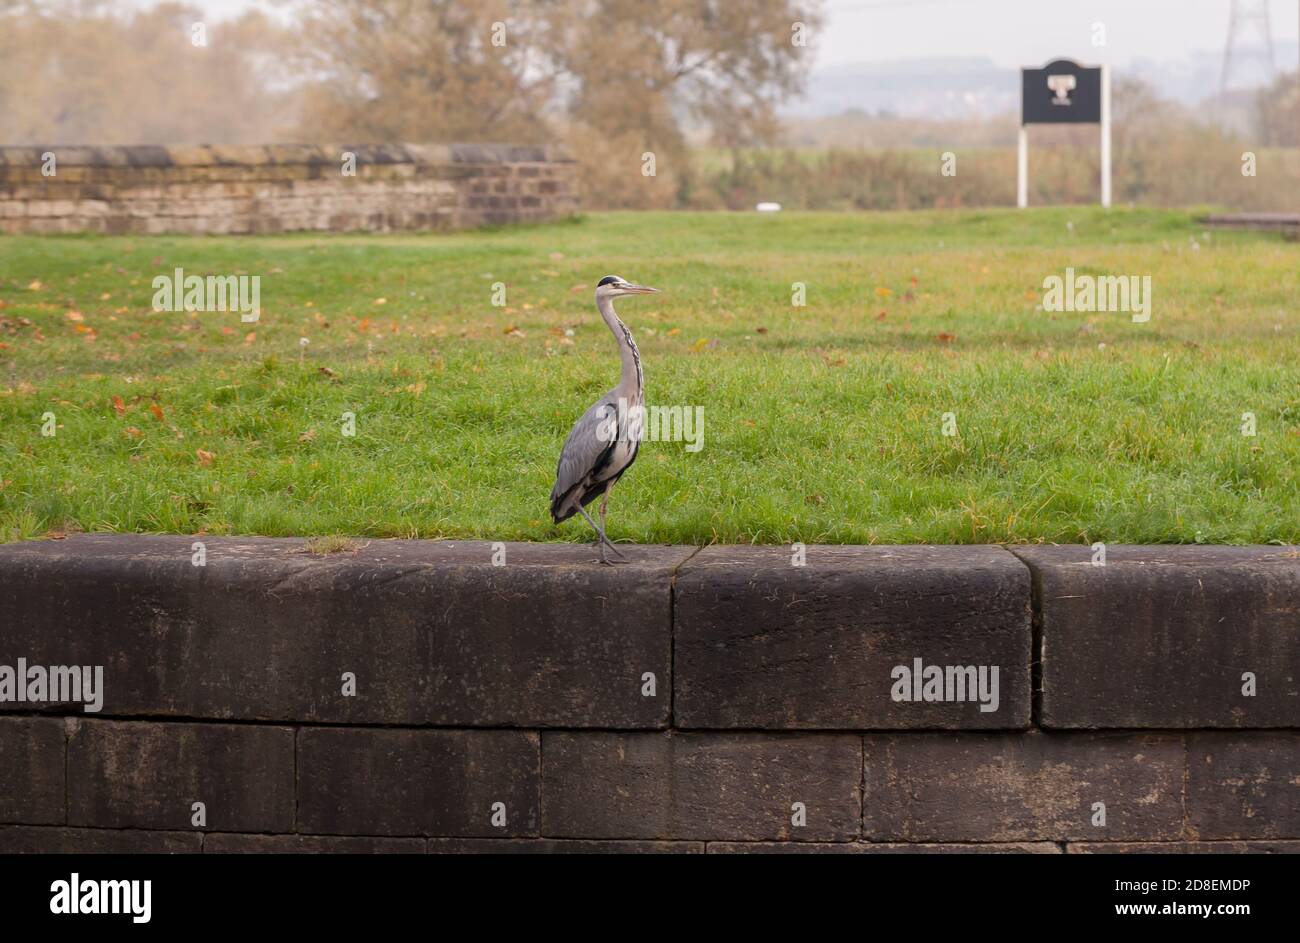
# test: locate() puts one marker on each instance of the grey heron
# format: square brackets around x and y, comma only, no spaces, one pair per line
[602,445]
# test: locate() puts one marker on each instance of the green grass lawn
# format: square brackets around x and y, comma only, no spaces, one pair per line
[821,423]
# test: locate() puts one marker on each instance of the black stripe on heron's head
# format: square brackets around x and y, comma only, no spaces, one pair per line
[609,280]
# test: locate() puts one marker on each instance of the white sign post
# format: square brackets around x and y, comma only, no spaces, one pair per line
[1022,170]
[1105,135]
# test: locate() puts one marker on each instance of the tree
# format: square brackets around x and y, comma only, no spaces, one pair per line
[404,70]
[614,78]
[1277,112]
[82,73]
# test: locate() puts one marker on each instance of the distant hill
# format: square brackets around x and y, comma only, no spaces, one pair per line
[978,87]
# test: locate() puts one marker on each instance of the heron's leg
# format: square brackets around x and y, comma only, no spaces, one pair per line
[604,503]
[602,539]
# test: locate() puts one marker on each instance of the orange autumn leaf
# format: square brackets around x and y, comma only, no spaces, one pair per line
[119,405]
[157,411]
[205,458]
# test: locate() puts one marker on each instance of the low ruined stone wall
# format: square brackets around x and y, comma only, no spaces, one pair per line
[280,188]
[414,696]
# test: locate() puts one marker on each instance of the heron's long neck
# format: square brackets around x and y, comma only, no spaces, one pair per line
[631,381]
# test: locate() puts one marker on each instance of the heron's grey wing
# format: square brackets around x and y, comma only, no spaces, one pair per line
[586,449]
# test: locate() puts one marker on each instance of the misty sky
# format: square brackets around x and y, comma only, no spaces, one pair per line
[1011,32]
[1026,32]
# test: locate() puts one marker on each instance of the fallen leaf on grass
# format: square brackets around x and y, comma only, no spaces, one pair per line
[75,316]
[945,337]
[119,405]
[205,458]
[157,411]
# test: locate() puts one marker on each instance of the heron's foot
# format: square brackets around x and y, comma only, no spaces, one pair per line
[604,559]
[602,542]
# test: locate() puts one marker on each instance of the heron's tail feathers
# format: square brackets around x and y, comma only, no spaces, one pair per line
[558,501]
[564,507]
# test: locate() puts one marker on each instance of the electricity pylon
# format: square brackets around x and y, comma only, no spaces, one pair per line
[1245,17]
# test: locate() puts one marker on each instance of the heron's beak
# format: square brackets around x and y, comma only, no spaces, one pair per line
[641,289]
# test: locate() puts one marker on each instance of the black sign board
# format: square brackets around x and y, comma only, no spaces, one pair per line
[1062,93]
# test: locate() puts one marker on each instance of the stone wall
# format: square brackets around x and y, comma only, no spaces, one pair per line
[280,188]
[717,699]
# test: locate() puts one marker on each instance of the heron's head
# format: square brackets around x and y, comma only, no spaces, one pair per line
[615,286]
